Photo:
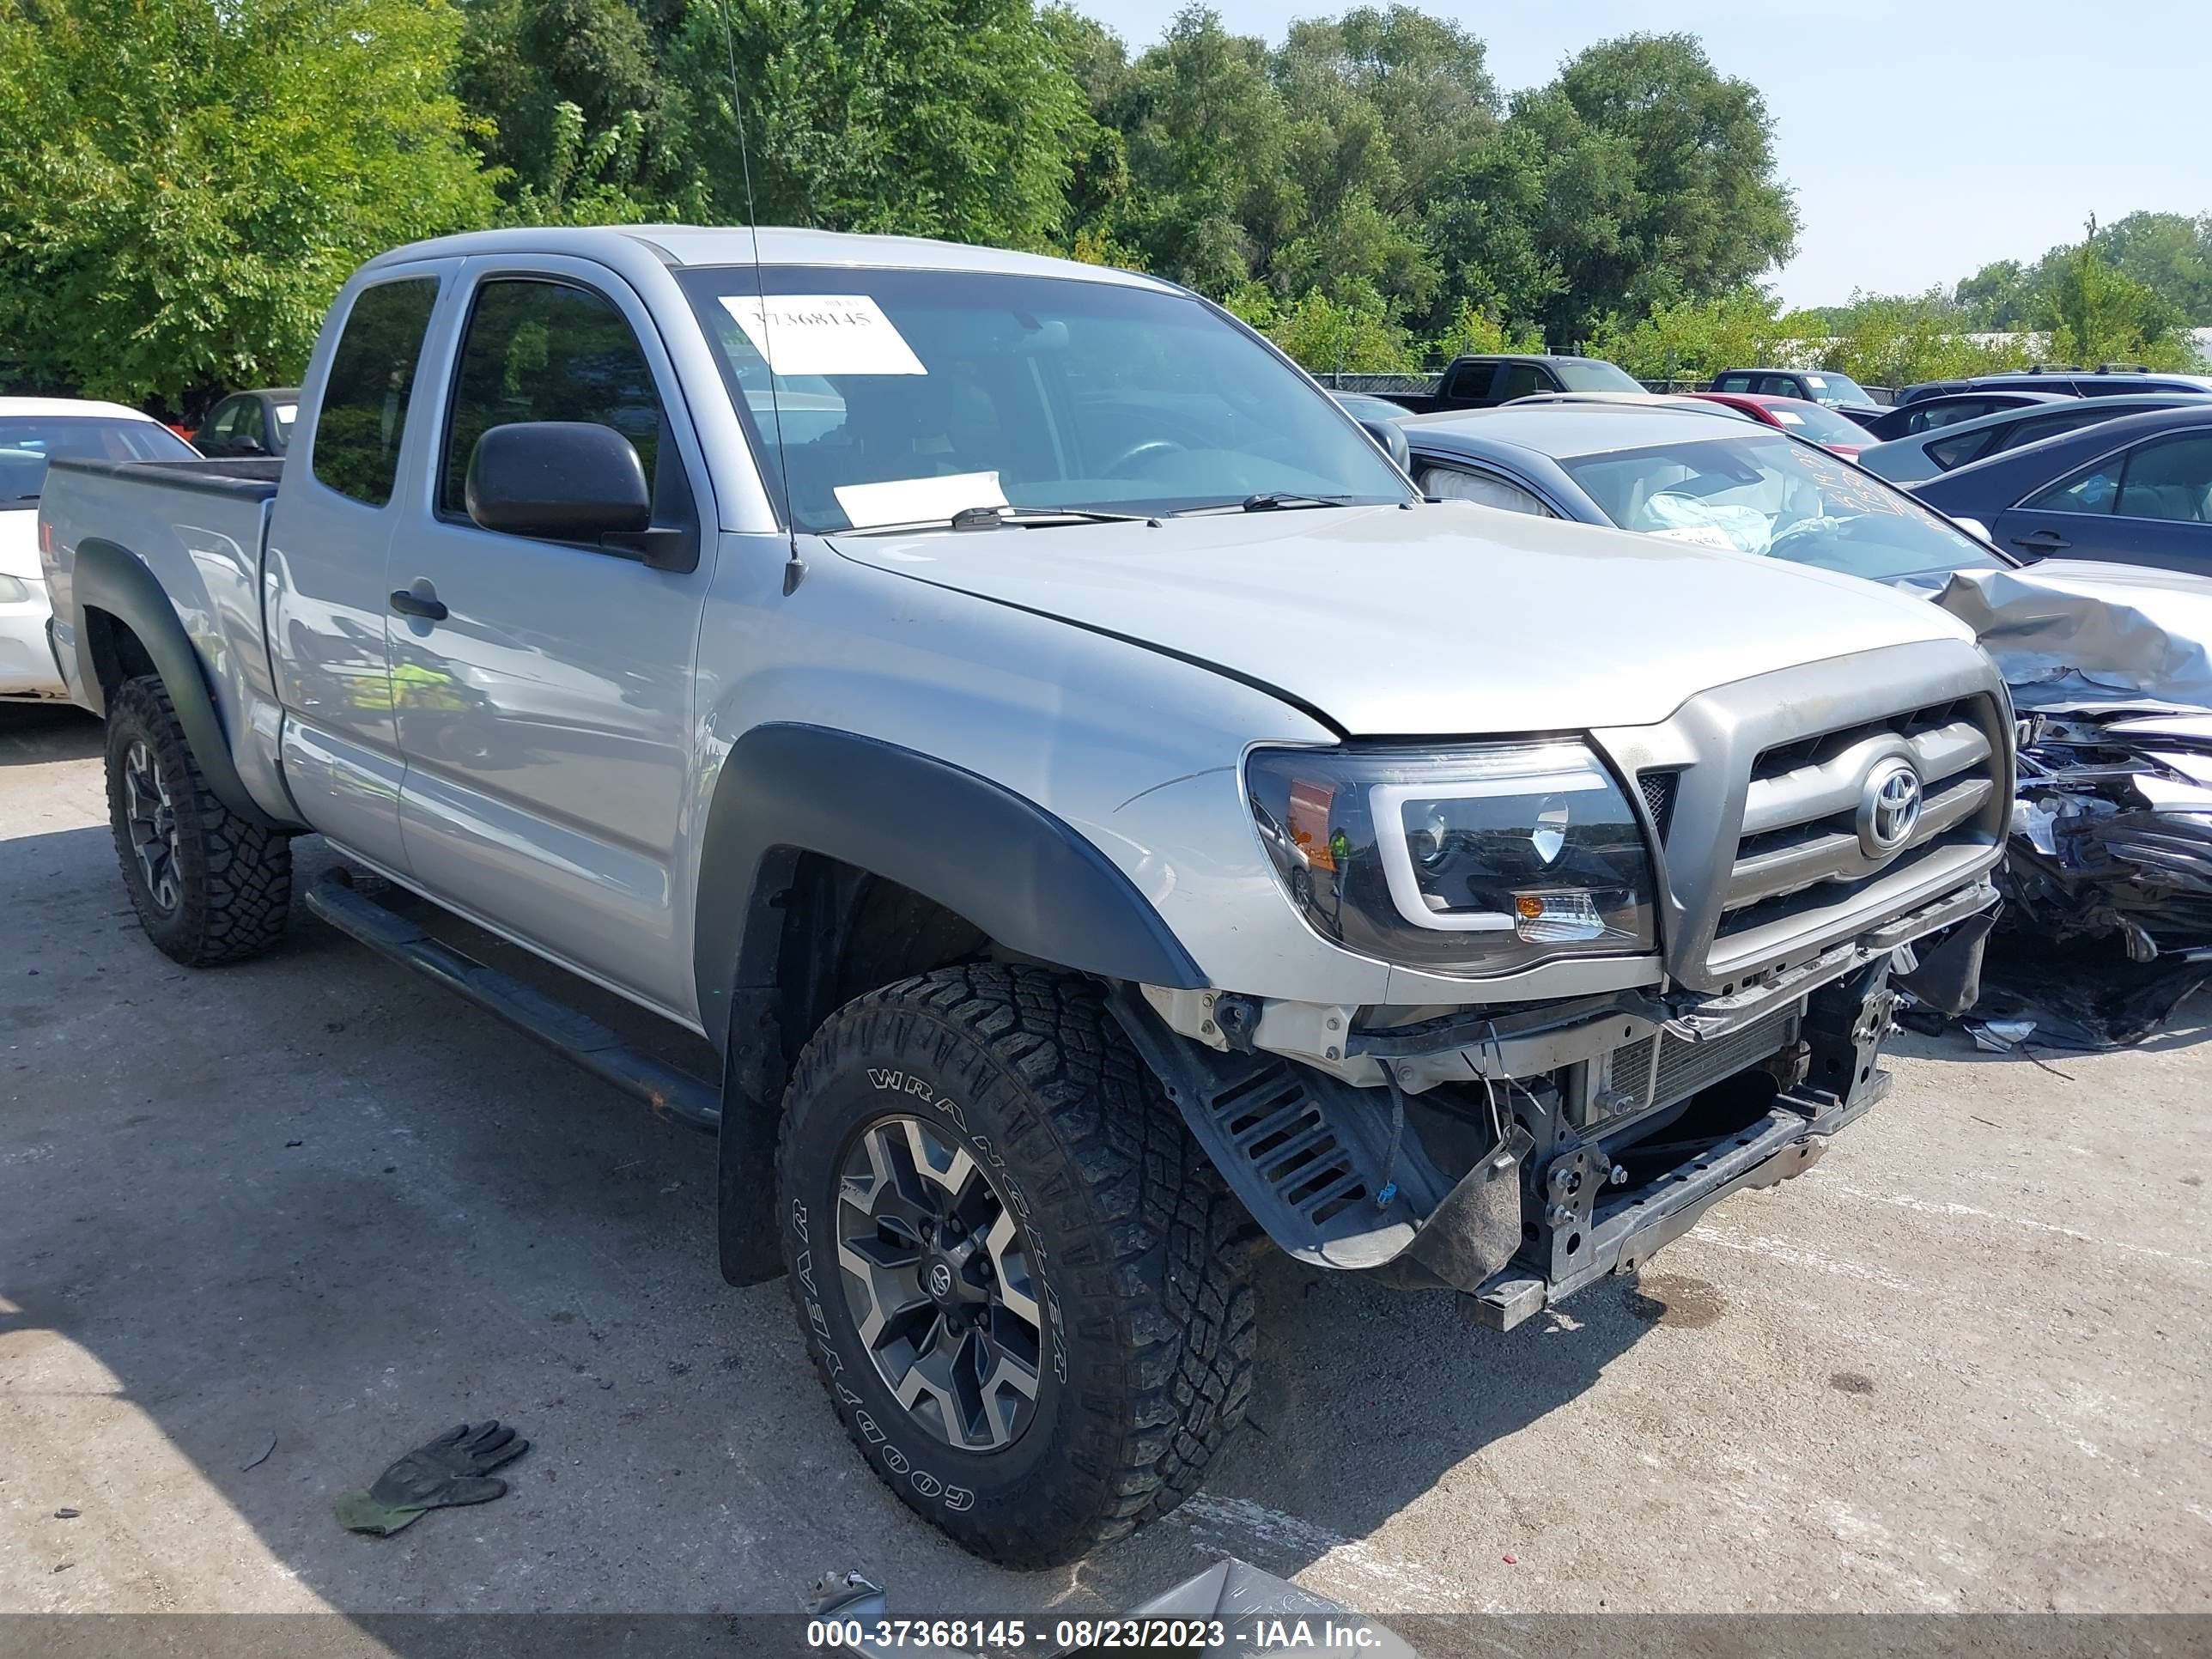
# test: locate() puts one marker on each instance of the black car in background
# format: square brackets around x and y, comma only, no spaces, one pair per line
[1486,382]
[248,423]
[2134,491]
[1947,408]
[2105,380]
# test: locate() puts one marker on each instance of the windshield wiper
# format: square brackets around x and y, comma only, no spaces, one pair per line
[1270,501]
[995,517]
[1040,517]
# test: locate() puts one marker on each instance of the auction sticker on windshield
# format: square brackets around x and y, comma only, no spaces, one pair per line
[910,501]
[823,334]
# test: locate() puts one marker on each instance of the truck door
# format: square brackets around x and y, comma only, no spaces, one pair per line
[323,577]
[544,688]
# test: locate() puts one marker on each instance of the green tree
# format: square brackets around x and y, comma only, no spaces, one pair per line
[1695,339]
[525,63]
[1896,339]
[2098,314]
[1212,194]
[1426,81]
[935,117]
[1654,181]
[2170,254]
[1473,333]
[2001,295]
[1330,337]
[185,186]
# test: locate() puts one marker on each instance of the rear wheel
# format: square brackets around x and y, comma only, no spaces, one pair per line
[209,885]
[1025,1285]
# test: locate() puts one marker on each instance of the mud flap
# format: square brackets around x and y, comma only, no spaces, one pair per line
[745,1230]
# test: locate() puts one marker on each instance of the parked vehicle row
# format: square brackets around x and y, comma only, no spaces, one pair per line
[1944,448]
[1105,817]
[1823,387]
[2105,380]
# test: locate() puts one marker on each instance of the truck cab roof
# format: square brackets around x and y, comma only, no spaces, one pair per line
[684,246]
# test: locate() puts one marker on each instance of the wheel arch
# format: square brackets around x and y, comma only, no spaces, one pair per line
[127,626]
[811,832]
[1020,875]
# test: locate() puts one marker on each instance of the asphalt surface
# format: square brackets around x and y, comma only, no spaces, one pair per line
[264,1227]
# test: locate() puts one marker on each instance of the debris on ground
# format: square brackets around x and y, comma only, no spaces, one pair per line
[259,1458]
[2000,1036]
[451,1470]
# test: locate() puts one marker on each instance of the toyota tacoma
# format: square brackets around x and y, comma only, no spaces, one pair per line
[1107,821]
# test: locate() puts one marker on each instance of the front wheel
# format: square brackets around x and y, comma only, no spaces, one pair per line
[209,886]
[1025,1285]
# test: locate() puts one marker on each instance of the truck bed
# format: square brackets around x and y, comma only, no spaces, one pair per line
[197,527]
[246,478]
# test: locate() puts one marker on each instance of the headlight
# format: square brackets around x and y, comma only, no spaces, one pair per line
[14,590]
[1478,859]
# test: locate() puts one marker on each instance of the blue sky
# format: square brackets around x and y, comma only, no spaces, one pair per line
[1922,140]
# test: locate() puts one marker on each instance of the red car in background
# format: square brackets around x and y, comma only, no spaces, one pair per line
[1798,417]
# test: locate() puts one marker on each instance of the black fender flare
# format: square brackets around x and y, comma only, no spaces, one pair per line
[106,577]
[1015,871]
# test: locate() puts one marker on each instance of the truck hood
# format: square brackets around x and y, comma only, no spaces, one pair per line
[1442,619]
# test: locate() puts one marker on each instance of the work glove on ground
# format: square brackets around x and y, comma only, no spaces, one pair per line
[453,1469]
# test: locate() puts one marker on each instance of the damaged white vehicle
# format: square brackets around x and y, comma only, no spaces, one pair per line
[2112,824]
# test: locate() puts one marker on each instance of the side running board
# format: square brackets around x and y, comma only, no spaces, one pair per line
[671,1093]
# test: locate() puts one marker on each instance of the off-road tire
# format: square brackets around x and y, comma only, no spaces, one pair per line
[233,877]
[1140,1256]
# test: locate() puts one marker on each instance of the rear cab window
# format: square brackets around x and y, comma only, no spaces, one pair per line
[1470,380]
[363,418]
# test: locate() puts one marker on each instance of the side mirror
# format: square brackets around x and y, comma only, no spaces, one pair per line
[563,480]
[1392,437]
[1973,527]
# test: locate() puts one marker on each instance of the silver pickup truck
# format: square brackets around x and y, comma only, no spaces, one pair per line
[1104,818]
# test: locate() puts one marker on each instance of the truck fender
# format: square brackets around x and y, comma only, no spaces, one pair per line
[111,579]
[1013,869]
[1018,873]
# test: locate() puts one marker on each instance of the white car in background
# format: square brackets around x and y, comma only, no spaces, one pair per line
[33,430]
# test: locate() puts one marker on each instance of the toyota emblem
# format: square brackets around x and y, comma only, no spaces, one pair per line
[1889,809]
[940,1279]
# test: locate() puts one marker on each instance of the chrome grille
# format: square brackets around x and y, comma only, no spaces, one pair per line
[1802,867]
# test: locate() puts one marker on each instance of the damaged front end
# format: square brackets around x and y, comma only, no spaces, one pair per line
[1516,1155]
[2111,840]
[2110,668]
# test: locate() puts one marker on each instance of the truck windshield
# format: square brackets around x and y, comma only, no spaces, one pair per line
[1832,389]
[1761,493]
[28,442]
[1591,374]
[904,396]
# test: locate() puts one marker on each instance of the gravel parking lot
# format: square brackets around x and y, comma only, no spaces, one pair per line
[1959,1366]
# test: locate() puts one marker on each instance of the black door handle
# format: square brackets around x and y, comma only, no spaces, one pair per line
[420,600]
[2043,541]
